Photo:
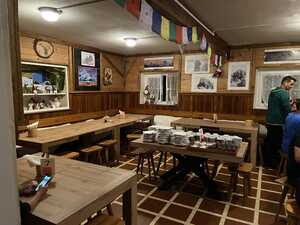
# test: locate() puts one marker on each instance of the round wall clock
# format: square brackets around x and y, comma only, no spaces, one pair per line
[43,49]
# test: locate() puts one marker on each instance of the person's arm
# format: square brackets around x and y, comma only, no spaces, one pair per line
[37,197]
[285,104]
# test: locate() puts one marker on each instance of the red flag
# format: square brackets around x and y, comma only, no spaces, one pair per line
[134,7]
[178,34]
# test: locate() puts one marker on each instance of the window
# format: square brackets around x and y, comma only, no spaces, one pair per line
[159,89]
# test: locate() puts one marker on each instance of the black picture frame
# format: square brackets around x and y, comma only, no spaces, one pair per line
[87,78]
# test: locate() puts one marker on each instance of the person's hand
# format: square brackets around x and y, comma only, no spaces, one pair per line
[28,188]
[42,191]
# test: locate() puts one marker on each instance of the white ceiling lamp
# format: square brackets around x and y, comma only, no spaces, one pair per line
[130,42]
[50,14]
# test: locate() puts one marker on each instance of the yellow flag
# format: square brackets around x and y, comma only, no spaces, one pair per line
[195,37]
[165,28]
[209,52]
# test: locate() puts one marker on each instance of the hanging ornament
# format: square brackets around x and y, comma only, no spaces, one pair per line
[218,72]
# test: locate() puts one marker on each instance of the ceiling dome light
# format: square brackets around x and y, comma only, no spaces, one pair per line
[50,14]
[130,42]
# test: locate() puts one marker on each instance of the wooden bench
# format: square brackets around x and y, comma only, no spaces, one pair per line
[108,146]
[69,155]
[95,149]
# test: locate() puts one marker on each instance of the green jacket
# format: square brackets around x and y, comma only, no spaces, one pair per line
[278,106]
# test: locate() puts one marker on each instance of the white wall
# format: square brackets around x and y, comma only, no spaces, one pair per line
[9,205]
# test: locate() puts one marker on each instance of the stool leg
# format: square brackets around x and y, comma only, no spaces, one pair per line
[106,156]
[149,166]
[99,158]
[159,162]
[280,166]
[86,157]
[153,166]
[165,161]
[246,186]
[109,209]
[139,164]
[142,165]
[282,198]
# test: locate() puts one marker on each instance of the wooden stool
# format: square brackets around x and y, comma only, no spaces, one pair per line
[142,154]
[283,164]
[106,220]
[165,155]
[286,188]
[95,149]
[131,137]
[107,145]
[69,155]
[293,213]
[245,171]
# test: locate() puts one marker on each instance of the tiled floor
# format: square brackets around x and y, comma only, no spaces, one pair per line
[186,204]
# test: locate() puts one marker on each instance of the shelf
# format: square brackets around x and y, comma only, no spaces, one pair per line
[45,110]
[44,94]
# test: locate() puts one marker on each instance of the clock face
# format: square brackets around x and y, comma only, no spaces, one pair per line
[43,49]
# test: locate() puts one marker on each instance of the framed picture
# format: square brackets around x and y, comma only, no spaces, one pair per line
[278,56]
[267,79]
[87,70]
[159,63]
[107,78]
[197,63]
[88,59]
[238,75]
[205,83]
[159,88]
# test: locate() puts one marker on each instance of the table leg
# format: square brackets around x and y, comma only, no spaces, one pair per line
[116,134]
[253,148]
[130,206]
[233,170]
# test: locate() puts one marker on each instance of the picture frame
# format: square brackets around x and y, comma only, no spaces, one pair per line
[268,78]
[281,56]
[87,77]
[159,63]
[238,75]
[107,76]
[87,59]
[204,83]
[197,63]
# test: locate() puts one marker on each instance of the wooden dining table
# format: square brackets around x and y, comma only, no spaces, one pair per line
[78,190]
[48,138]
[236,127]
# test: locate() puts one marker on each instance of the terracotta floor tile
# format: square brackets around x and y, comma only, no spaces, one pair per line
[128,167]
[273,187]
[166,195]
[231,222]
[269,171]
[241,213]
[187,199]
[238,200]
[268,178]
[152,205]
[144,218]
[144,188]
[270,196]
[204,218]
[152,181]
[270,207]
[212,206]
[193,189]
[177,212]
[265,219]
[163,221]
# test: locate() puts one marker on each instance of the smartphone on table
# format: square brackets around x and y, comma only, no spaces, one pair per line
[45,181]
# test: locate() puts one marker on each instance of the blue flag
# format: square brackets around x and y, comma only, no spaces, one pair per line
[156,22]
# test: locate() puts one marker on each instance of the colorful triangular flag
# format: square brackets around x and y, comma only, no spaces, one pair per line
[156,22]
[121,2]
[203,43]
[172,31]
[133,6]
[178,34]
[165,28]
[185,39]
[195,37]
[190,34]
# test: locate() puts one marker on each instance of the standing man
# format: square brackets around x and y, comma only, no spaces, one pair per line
[278,108]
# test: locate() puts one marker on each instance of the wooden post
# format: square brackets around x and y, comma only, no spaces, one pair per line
[9,206]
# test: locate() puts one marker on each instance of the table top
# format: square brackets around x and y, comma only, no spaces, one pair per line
[77,190]
[81,128]
[196,123]
[237,158]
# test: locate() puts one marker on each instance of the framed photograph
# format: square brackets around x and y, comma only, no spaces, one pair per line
[238,75]
[88,59]
[205,83]
[159,88]
[87,77]
[267,79]
[279,56]
[159,63]
[107,77]
[197,64]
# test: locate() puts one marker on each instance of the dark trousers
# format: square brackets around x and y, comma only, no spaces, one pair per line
[273,145]
[298,191]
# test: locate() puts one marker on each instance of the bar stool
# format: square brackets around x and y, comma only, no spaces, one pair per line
[142,155]
[293,213]
[69,155]
[286,188]
[165,156]
[244,170]
[95,149]
[108,146]
[283,163]
[131,137]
